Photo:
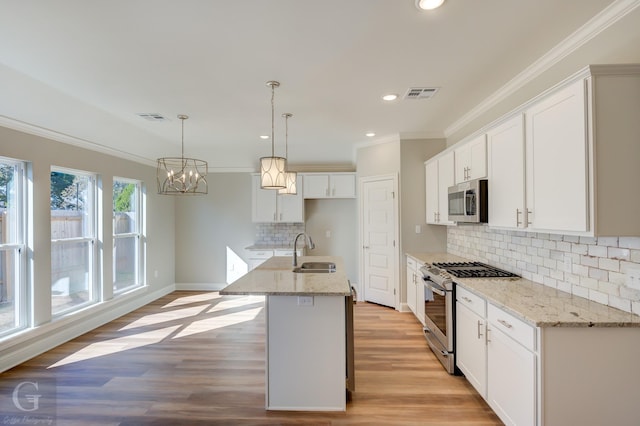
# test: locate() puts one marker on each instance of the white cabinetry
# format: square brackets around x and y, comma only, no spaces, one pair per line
[329,185]
[579,159]
[258,257]
[495,351]
[411,284]
[269,206]
[558,161]
[439,174]
[511,368]
[471,160]
[506,174]
[415,288]
[471,346]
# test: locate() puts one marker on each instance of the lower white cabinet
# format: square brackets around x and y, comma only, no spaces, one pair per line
[495,351]
[471,348]
[411,284]
[511,379]
[258,257]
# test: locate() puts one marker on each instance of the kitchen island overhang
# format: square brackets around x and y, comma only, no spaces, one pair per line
[305,333]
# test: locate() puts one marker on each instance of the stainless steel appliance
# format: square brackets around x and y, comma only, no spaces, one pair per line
[468,202]
[439,305]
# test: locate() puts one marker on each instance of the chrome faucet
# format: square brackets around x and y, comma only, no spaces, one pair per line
[310,245]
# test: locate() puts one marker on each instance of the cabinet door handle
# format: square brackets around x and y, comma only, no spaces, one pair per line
[466,299]
[434,216]
[506,324]
[518,222]
[280,216]
[326,191]
[333,191]
[529,213]
[479,329]
[486,336]
[274,217]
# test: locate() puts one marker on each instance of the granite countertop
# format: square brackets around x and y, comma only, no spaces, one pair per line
[276,278]
[537,304]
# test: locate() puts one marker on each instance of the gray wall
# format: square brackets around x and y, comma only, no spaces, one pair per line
[207,225]
[617,44]
[340,218]
[379,159]
[433,238]
[44,153]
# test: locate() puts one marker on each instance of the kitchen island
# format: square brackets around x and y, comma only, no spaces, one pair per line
[306,345]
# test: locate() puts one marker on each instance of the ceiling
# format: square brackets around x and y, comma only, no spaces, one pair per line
[84,70]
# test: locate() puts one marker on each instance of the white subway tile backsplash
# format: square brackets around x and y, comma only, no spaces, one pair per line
[599,265]
[609,264]
[630,242]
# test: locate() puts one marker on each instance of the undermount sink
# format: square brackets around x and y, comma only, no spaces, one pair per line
[315,268]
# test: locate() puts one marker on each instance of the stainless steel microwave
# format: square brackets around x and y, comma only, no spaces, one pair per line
[468,202]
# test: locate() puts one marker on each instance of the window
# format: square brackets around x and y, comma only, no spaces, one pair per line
[127,234]
[12,249]
[73,234]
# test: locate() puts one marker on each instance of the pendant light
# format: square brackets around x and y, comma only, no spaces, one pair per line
[180,175]
[272,168]
[289,176]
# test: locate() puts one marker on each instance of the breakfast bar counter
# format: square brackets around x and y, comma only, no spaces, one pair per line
[306,324]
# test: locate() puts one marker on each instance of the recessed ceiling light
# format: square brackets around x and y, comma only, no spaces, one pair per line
[264,137]
[390,97]
[428,4]
[370,134]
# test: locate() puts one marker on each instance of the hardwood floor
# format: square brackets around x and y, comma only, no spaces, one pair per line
[198,358]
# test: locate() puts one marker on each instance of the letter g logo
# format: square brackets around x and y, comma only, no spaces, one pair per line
[33,399]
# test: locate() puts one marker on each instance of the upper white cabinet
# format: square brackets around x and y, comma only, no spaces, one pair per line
[578,157]
[329,185]
[269,206]
[557,161]
[439,175]
[471,160]
[506,172]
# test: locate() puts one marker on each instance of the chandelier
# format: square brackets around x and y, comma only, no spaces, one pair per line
[290,177]
[272,169]
[181,175]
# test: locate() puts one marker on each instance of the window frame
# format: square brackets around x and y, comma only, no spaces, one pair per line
[138,235]
[95,293]
[21,307]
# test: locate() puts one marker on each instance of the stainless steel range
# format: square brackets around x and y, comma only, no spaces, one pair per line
[440,300]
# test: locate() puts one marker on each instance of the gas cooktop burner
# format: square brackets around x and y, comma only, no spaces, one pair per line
[473,270]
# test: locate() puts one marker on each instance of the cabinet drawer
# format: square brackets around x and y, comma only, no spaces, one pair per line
[476,303]
[261,254]
[411,263]
[513,327]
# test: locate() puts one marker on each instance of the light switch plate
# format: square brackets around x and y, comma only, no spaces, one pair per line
[633,278]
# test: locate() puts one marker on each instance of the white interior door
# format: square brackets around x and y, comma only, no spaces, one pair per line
[379,237]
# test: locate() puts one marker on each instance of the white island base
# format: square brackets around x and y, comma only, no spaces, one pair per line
[306,353]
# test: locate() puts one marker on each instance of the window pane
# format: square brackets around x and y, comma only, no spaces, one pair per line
[125,207]
[70,206]
[70,275]
[8,288]
[125,257]
[9,207]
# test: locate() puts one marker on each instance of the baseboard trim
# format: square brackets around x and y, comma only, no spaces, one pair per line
[38,340]
[200,286]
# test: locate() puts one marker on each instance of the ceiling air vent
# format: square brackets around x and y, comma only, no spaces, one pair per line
[420,92]
[151,116]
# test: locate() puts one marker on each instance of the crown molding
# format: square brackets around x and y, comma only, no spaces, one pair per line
[603,20]
[31,129]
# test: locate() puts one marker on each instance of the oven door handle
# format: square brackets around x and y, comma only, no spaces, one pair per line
[436,288]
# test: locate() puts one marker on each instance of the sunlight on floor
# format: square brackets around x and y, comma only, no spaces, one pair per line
[119,344]
[208,307]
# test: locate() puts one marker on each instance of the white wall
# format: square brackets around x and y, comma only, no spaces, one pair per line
[43,154]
